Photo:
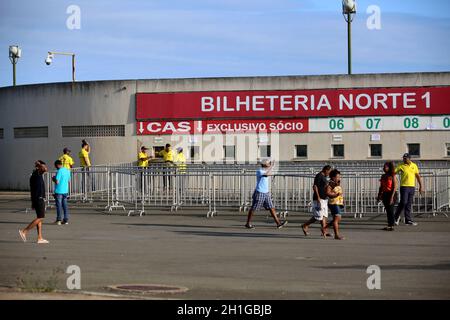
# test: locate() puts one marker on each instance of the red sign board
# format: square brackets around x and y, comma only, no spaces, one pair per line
[293,103]
[222,126]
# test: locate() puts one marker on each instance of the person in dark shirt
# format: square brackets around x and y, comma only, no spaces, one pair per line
[320,203]
[388,193]
[37,190]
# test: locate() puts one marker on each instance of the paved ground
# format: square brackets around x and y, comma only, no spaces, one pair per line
[218,259]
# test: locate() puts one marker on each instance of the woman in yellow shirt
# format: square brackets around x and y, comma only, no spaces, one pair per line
[335,201]
[84,154]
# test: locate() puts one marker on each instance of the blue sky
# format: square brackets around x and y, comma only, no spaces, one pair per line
[145,39]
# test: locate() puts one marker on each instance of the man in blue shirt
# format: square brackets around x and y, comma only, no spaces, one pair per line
[61,181]
[261,196]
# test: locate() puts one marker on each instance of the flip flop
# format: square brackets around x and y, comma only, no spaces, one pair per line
[22,235]
[42,241]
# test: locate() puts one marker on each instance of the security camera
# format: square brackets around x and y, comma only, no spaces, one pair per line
[48,61]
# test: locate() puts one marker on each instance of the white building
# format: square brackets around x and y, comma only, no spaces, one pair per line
[320,118]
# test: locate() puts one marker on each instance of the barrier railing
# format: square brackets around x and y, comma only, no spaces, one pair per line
[135,190]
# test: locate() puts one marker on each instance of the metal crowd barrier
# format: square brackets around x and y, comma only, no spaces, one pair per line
[135,190]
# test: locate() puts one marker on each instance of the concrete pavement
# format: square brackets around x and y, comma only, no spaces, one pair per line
[218,259]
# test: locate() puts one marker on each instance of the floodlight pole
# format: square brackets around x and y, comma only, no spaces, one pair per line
[349,41]
[14,73]
[14,55]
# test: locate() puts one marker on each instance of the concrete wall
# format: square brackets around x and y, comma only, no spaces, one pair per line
[113,103]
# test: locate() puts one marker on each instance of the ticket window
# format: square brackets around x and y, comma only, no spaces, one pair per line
[264,151]
[376,150]
[414,150]
[194,152]
[229,152]
[156,150]
[337,151]
[301,151]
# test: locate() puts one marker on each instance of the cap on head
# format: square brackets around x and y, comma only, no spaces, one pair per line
[179,149]
[144,148]
[406,156]
[66,150]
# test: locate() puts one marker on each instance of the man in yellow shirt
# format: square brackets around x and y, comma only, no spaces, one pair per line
[66,159]
[167,154]
[169,158]
[408,172]
[143,157]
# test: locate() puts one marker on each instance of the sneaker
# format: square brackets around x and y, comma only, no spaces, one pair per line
[250,226]
[388,228]
[42,241]
[397,221]
[281,225]
[65,222]
[411,223]
[58,222]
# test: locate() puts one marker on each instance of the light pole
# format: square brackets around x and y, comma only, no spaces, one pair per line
[49,60]
[349,11]
[14,54]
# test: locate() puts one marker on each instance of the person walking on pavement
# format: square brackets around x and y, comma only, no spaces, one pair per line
[261,196]
[320,202]
[387,193]
[335,201]
[37,190]
[61,192]
[409,173]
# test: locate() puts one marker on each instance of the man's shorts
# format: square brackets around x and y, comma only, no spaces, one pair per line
[261,200]
[335,209]
[322,212]
[39,206]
